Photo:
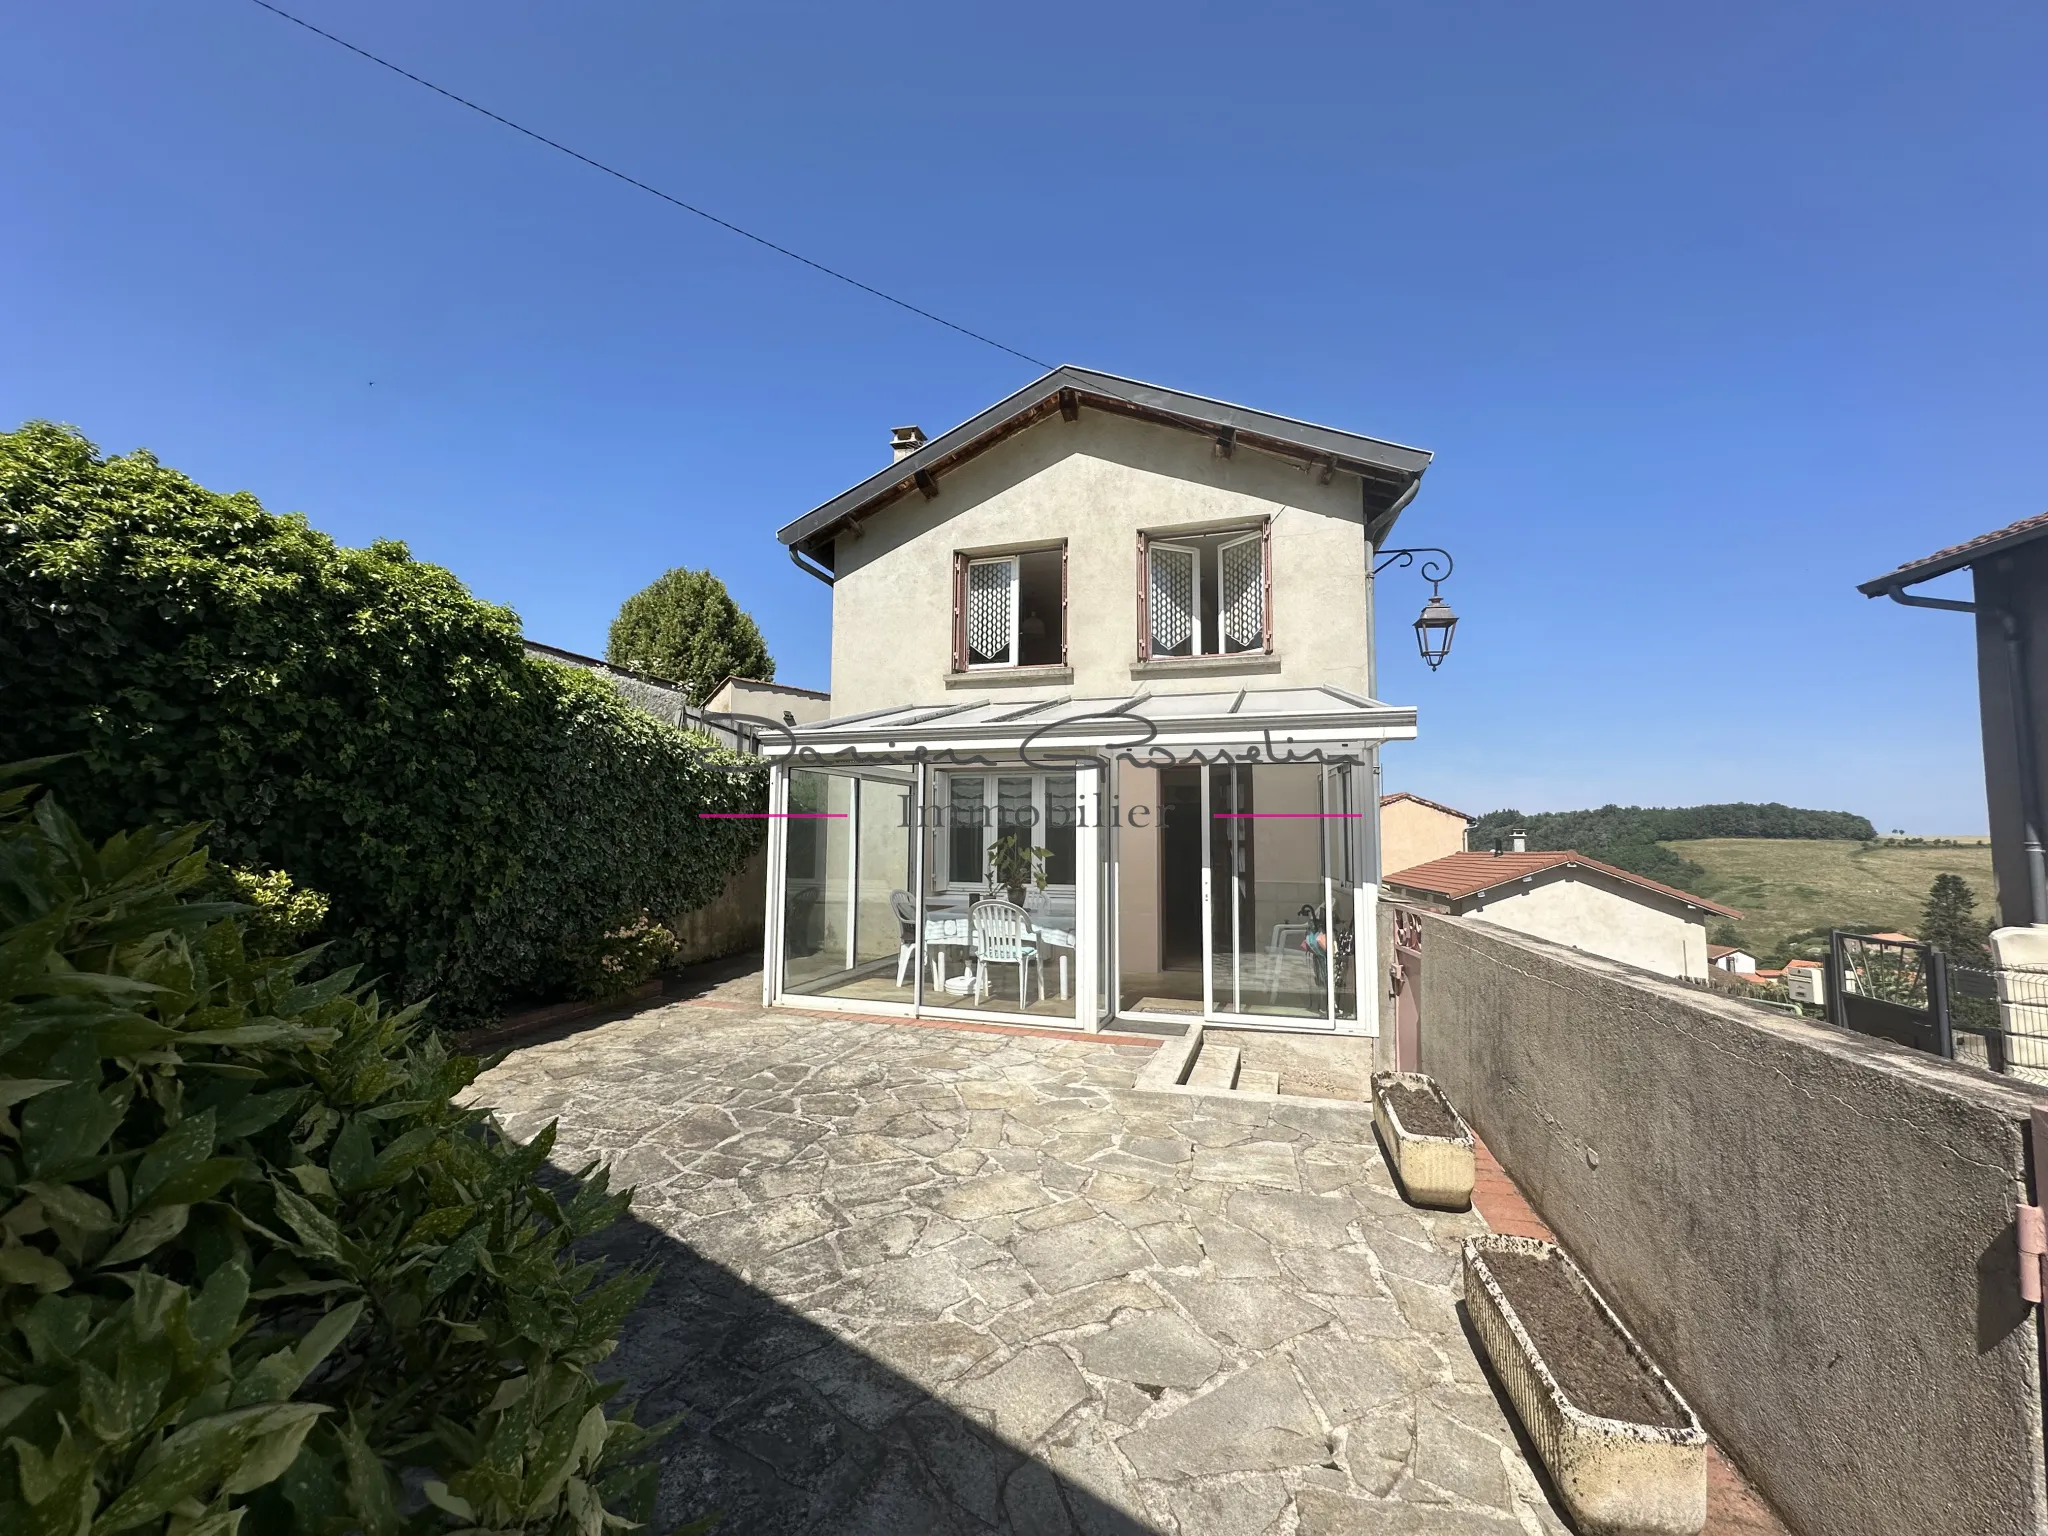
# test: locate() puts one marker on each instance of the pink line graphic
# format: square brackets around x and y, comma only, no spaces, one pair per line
[769,815]
[1315,815]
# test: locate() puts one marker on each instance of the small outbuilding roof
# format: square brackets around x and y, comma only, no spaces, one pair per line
[1459,875]
[1956,556]
[1388,469]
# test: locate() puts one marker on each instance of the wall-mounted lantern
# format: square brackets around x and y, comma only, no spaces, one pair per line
[1437,624]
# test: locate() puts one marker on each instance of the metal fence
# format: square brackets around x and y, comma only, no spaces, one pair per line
[1992,1016]
[2000,1018]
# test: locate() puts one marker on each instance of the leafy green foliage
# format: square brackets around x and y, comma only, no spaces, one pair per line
[1950,922]
[352,717]
[1014,863]
[684,626]
[256,1266]
[282,917]
[614,844]
[1627,836]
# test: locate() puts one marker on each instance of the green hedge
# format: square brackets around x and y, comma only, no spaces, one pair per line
[258,1272]
[351,717]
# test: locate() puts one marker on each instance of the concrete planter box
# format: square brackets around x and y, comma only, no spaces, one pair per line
[1434,1170]
[1616,1478]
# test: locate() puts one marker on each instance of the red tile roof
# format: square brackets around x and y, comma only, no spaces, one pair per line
[1402,794]
[1467,874]
[1957,555]
[1721,951]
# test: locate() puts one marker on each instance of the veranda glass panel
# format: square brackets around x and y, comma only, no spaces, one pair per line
[1343,849]
[985,953]
[849,915]
[1269,921]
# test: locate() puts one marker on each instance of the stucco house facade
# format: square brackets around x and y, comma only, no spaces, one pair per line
[1568,898]
[1414,830]
[1118,639]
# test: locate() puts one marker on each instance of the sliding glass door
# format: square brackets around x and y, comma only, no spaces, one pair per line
[1281,872]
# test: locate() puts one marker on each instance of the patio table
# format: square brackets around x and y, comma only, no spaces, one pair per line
[946,928]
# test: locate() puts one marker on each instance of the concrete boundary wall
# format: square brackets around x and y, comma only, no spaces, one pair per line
[1812,1232]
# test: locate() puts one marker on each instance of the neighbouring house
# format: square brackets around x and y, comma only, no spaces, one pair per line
[1414,830]
[758,700]
[2009,601]
[1104,655]
[1726,957]
[1570,899]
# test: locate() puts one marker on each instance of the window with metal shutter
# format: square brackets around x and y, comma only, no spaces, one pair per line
[991,613]
[1171,598]
[1242,564]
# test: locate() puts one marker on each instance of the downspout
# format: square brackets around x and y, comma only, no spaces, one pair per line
[810,567]
[2030,785]
[2031,842]
[1372,650]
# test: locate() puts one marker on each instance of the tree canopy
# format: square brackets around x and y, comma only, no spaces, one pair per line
[1950,922]
[685,627]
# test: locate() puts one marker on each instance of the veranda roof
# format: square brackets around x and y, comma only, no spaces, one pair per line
[1273,721]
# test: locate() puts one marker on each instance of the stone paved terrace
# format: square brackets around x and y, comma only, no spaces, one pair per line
[920,1279]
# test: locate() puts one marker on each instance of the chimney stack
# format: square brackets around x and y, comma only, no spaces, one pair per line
[1518,840]
[904,441]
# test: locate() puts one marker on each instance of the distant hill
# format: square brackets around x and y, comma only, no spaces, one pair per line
[1790,895]
[1629,836]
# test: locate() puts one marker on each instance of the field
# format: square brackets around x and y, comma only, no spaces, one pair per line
[1790,885]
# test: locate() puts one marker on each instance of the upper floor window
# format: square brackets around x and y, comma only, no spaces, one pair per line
[1010,610]
[1208,594]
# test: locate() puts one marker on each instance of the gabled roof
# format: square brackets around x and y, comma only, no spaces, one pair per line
[1458,875]
[1402,794]
[1956,556]
[1723,951]
[1388,469]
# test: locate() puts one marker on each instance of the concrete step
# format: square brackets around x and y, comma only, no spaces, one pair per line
[1257,1082]
[1216,1068]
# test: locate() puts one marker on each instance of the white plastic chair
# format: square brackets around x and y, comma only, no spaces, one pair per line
[904,905]
[1003,935]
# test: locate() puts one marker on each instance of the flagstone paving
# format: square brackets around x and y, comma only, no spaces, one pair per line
[914,1279]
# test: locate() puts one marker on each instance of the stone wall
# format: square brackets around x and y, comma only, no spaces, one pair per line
[1811,1231]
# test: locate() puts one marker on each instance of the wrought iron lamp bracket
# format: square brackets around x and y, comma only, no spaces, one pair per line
[1435,572]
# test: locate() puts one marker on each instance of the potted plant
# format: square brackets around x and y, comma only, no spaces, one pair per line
[1428,1141]
[1624,1450]
[1013,864]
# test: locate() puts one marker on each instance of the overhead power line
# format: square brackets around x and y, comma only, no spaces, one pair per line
[634,181]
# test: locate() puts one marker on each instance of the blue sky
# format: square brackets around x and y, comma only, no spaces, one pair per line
[1708,313]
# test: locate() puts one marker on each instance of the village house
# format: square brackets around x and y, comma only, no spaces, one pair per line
[1414,830]
[1106,738]
[1570,899]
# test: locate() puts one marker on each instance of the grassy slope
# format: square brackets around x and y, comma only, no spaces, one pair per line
[1789,885]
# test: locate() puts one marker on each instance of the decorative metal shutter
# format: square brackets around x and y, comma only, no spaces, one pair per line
[1242,565]
[989,620]
[1171,599]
